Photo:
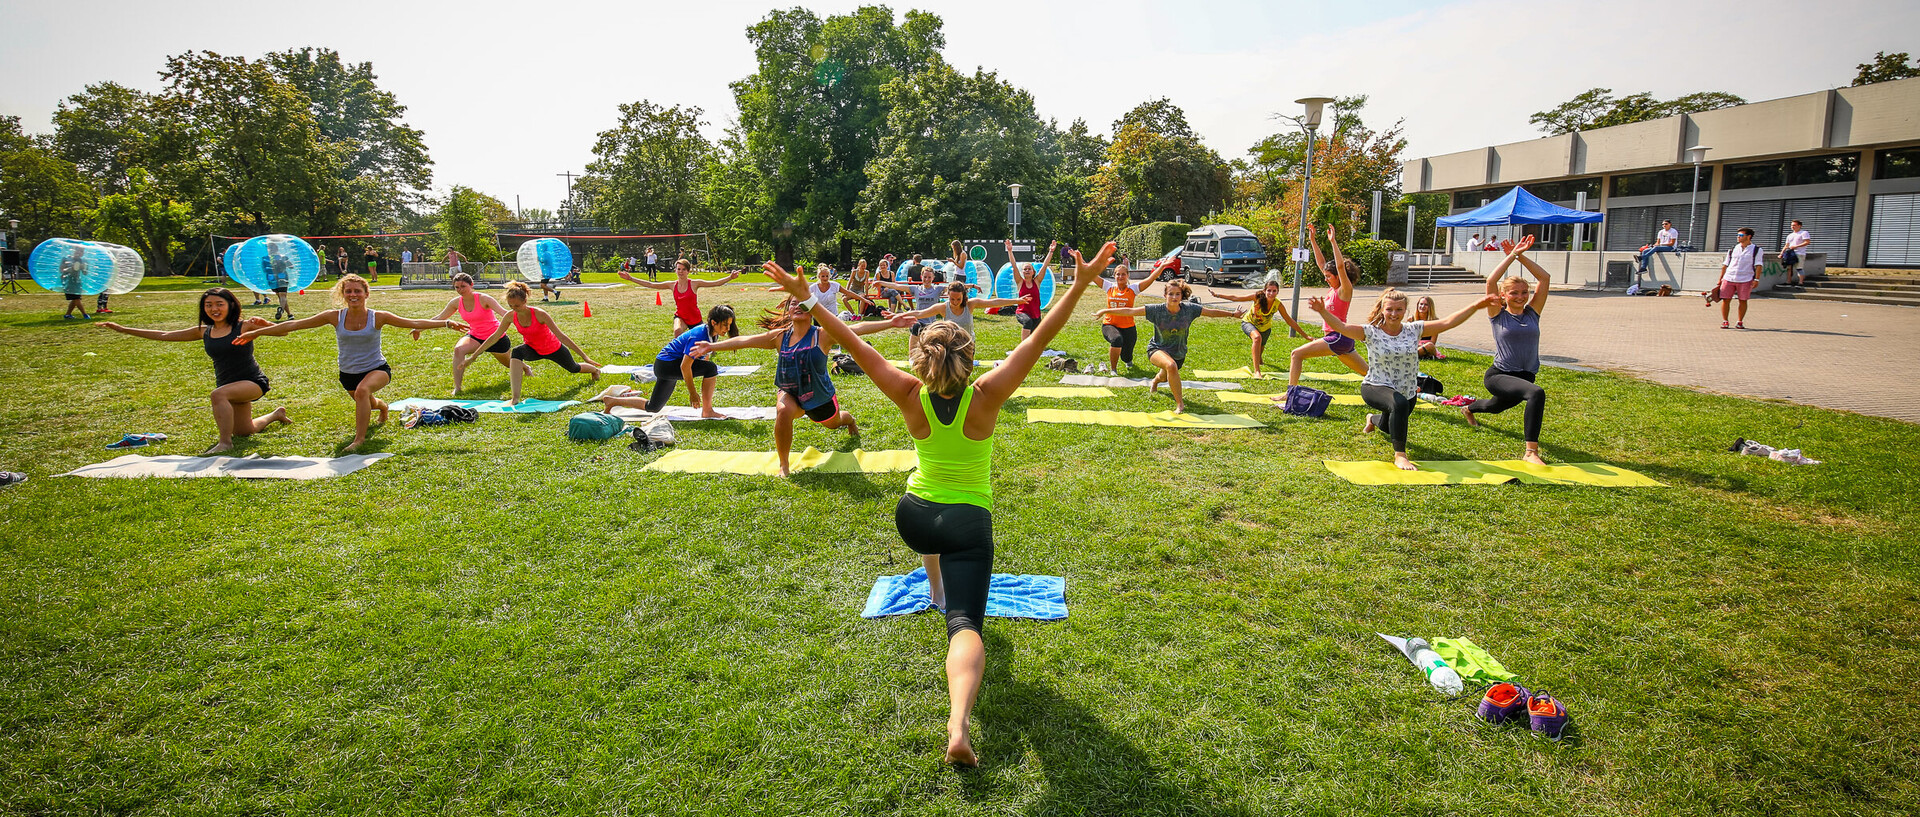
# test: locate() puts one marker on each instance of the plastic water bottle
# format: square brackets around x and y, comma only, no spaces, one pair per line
[1441,676]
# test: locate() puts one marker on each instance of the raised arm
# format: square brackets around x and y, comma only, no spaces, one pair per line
[1340,265]
[1541,282]
[416,324]
[1331,322]
[897,385]
[701,283]
[998,384]
[1432,329]
[288,327]
[190,333]
[1153,276]
[1319,261]
[1230,297]
[1499,272]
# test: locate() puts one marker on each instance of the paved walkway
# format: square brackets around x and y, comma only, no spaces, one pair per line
[1853,357]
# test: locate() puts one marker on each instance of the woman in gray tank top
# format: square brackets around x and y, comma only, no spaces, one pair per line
[1516,347]
[363,369]
[958,308]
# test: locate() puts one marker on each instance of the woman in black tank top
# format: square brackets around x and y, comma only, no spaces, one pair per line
[237,378]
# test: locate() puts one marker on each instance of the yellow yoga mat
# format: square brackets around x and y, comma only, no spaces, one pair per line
[1161,419]
[1258,399]
[1063,391]
[767,463]
[1245,373]
[1490,472]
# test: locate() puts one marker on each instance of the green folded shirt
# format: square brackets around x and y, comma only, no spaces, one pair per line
[1473,663]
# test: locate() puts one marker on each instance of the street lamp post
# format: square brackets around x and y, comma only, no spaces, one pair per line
[1694,154]
[1013,213]
[783,245]
[1310,121]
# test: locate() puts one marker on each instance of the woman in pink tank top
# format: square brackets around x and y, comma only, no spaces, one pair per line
[686,300]
[481,313]
[1340,276]
[544,341]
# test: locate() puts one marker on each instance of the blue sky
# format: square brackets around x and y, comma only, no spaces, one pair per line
[509,99]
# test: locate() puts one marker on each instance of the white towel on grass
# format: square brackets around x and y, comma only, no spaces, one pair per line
[644,373]
[689,414]
[251,466]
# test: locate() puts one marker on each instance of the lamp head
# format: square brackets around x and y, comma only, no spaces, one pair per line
[1697,153]
[1315,104]
[1016,191]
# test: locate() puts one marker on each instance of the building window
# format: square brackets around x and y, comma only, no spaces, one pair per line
[1755,174]
[1589,186]
[1824,169]
[1897,164]
[1636,184]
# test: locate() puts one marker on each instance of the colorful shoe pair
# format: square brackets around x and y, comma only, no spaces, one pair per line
[137,440]
[1504,702]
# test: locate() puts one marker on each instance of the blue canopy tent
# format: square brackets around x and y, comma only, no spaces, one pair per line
[1519,207]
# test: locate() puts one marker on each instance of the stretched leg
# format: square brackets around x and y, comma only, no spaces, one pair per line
[365,403]
[231,402]
[784,412]
[284,306]
[662,392]
[515,374]
[1170,372]
[1394,409]
[956,546]
[706,400]
[1258,347]
[1299,356]
[460,351]
[1354,363]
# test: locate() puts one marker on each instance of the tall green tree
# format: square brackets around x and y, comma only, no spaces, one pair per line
[380,158]
[1885,67]
[251,146]
[463,225]
[146,218]
[953,143]
[1156,170]
[734,193]
[47,194]
[811,115]
[648,169]
[1073,156]
[1598,108]
[132,157]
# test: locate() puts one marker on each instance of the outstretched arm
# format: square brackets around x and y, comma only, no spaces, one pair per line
[765,340]
[698,283]
[1433,328]
[542,316]
[994,303]
[1541,282]
[1332,322]
[998,384]
[280,329]
[897,385]
[416,324]
[1134,311]
[1151,277]
[191,333]
[1210,312]
[1340,265]
[648,284]
[1231,297]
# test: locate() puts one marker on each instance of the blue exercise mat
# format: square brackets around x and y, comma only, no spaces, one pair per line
[526,406]
[1009,596]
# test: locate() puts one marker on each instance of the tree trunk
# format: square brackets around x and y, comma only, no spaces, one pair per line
[783,253]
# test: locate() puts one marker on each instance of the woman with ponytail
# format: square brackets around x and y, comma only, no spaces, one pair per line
[947,513]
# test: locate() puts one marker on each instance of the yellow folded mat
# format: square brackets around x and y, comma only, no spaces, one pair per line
[1063,391]
[1490,472]
[1257,399]
[1161,419]
[1245,373]
[767,463]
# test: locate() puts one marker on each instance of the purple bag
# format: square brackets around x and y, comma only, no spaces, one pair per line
[1307,401]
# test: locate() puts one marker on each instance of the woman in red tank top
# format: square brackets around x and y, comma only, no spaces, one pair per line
[544,340]
[482,315]
[686,303]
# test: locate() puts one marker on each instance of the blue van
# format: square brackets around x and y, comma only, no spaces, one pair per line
[1223,253]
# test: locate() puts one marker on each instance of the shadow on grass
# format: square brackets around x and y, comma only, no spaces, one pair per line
[1089,769]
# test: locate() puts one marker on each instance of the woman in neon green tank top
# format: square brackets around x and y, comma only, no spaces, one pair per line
[947,514]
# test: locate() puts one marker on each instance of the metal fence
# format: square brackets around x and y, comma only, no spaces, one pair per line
[435,275]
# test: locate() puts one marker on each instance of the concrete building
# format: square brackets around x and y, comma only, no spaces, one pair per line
[1846,162]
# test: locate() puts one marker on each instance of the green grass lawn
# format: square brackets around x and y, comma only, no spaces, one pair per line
[499,620]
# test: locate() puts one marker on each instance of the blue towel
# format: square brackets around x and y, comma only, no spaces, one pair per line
[528,406]
[1009,596]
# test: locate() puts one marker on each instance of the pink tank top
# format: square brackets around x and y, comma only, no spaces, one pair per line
[1031,308]
[537,336]
[686,305]
[1337,306]
[480,322]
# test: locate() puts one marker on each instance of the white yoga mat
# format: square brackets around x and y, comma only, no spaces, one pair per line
[1129,382]
[251,466]
[689,414]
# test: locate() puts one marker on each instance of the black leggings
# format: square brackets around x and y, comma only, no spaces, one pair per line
[1395,408]
[962,536]
[1122,338]
[666,375]
[1510,389]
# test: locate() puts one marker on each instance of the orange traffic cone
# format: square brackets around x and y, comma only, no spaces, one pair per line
[303,292]
[656,298]
[586,309]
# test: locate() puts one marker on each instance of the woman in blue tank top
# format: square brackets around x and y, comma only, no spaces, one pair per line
[800,379]
[363,369]
[1516,348]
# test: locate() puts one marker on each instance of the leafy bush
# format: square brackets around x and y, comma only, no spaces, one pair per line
[1151,240]
[1373,257]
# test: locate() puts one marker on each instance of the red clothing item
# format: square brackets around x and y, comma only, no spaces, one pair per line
[538,335]
[686,305]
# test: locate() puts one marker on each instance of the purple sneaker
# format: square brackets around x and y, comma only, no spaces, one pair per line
[1503,702]
[1547,716]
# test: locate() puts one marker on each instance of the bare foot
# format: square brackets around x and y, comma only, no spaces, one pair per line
[1400,461]
[355,445]
[1179,407]
[1533,457]
[1154,387]
[853,428]
[1468,413]
[710,414]
[960,747]
[784,472]
[1371,426]
[279,415]
[383,415]
[218,448]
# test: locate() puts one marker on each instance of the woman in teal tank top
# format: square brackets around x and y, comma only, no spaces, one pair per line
[947,514]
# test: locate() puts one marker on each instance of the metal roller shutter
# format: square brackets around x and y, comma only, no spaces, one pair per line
[1829,222]
[1630,228]
[1763,217]
[1893,234]
[1677,213]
